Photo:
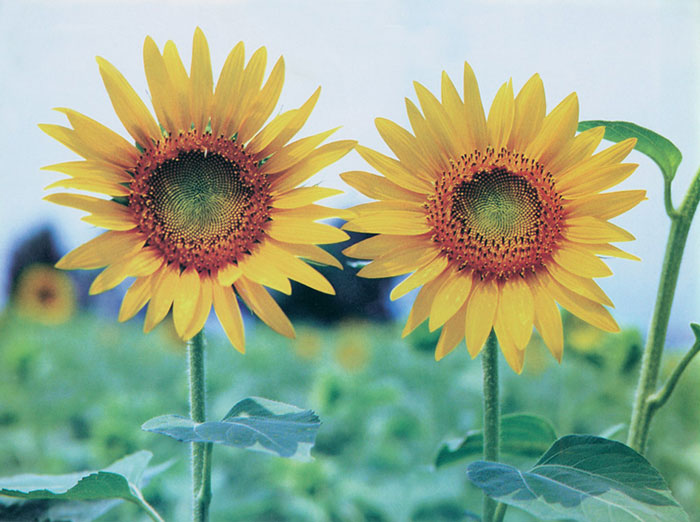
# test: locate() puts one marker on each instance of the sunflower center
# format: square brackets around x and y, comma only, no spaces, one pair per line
[200,200]
[496,213]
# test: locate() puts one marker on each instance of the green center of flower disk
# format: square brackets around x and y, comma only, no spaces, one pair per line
[200,200]
[496,213]
[497,204]
[198,196]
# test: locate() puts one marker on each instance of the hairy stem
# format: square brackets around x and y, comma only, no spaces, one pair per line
[642,413]
[201,454]
[492,414]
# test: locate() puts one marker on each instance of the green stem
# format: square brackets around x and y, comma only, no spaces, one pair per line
[642,413]
[658,399]
[152,513]
[500,512]
[201,455]
[492,414]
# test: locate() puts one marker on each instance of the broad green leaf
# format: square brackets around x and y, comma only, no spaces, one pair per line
[521,435]
[664,153]
[254,424]
[121,480]
[583,478]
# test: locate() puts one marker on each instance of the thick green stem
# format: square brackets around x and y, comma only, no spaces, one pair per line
[201,461]
[642,412]
[492,414]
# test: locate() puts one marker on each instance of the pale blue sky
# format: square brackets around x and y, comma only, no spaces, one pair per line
[635,61]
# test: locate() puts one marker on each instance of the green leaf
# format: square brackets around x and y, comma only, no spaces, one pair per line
[583,478]
[254,424]
[121,480]
[664,153]
[521,435]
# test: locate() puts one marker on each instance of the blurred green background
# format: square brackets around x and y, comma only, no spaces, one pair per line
[75,394]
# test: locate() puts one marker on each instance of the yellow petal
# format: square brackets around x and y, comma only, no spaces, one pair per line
[111,218]
[452,333]
[437,120]
[229,314]
[517,309]
[185,300]
[450,297]
[578,150]
[310,165]
[424,302]
[314,212]
[481,313]
[201,314]
[399,222]
[182,111]
[202,82]
[136,297]
[548,321]
[293,230]
[143,263]
[164,287]
[102,143]
[428,143]
[301,196]
[613,155]
[295,268]
[593,230]
[120,214]
[264,306]
[130,109]
[455,112]
[580,261]
[110,277]
[101,251]
[227,91]
[406,147]
[379,187]
[474,110]
[501,114]
[295,152]
[228,274]
[250,87]
[595,181]
[610,250]
[605,206]
[91,169]
[163,94]
[529,113]
[106,187]
[512,354]
[401,261]
[313,253]
[581,285]
[376,246]
[421,276]
[264,103]
[557,131]
[258,268]
[394,171]
[584,308]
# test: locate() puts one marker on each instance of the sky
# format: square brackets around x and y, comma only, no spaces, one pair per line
[627,60]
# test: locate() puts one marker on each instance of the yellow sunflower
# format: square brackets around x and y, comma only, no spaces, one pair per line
[498,218]
[206,205]
[45,295]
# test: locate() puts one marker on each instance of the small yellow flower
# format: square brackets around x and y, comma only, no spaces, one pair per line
[45,295]
[498,218]
[206,206]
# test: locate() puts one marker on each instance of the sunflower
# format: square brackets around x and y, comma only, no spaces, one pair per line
[45,295]
[497,218]
[205,206]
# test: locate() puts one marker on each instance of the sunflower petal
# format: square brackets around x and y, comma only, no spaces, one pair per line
[264,103]
[593,230]
[258,268]
[165,285]
[421,276]
[452,333]
[185,300]
[202,82]
[313,253]
[512,354]
[481,313]
[182,112]
[399,222]
[500,120]
[163,94]
[580,261]
[302,196]
[557,131]
[201,314]
[101,251]
[450,297]
[548,321]
[424,302]
[296,269]
[294,230]
[136,297]
[130,109]
[517,309]
[406,259]
[229,314]
[529,112]
[605,206]
[264,306]
[379,187]
[227,91]
[474,110]
[581,285]
[405,146]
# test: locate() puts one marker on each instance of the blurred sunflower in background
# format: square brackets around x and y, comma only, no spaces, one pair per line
[45,295]
[206,205]
[498,218]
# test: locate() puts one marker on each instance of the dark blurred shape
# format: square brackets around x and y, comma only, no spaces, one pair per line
[38,248]
[356,297]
